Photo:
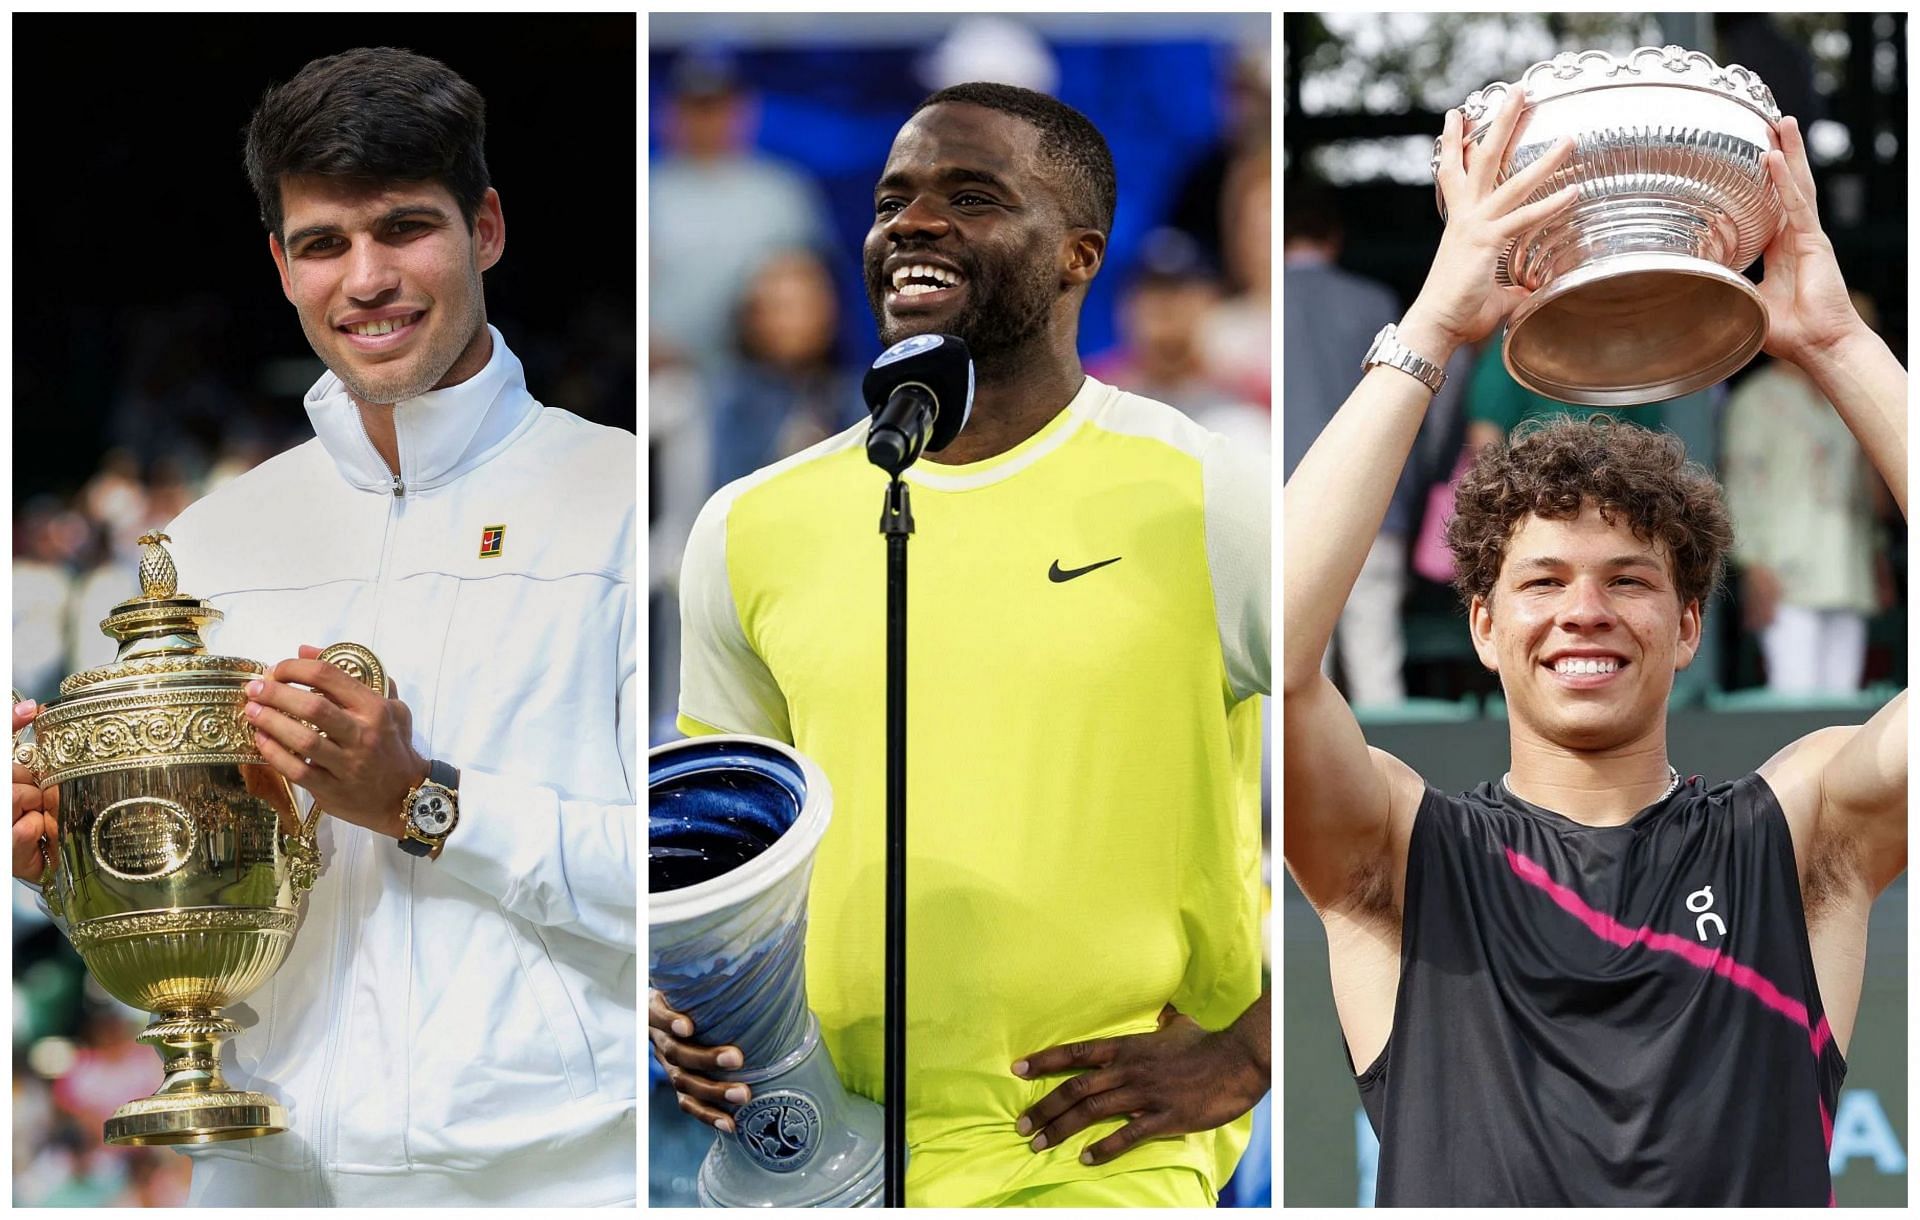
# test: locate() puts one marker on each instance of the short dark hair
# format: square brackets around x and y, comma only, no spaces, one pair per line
[373,115]
[1554,468]
[1069,143]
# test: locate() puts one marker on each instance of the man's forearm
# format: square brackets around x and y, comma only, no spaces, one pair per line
[1255,1030]
[1339,495]
[1866,385]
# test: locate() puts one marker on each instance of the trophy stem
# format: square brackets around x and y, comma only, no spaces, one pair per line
[194,1104]
[189,1044]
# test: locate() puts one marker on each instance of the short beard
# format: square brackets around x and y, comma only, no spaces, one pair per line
[1007,309]
[434,364]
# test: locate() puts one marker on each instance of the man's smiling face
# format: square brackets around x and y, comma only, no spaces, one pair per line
[1586,630]
[967,229]
[386,280]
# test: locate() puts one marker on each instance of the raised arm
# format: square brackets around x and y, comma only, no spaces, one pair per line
[1811,322]
[1848,784]
[1337,793]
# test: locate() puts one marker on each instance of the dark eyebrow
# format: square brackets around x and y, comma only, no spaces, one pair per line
[1636,559]
[390,217]
[951,176]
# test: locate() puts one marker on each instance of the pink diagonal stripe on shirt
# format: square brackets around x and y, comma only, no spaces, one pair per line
[1826,1125]
[1613,931]
[1821,1034]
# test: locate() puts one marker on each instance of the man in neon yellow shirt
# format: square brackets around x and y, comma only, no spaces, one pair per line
[1089,610]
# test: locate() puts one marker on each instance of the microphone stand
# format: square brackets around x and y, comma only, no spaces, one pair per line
[896,524]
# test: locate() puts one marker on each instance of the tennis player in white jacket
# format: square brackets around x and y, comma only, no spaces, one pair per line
[456,1023]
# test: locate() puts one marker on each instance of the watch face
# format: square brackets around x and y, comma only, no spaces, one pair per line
[432,813]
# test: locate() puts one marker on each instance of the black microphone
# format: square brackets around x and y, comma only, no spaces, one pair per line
[920,392]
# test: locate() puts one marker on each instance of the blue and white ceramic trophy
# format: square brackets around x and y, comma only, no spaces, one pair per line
[732,825]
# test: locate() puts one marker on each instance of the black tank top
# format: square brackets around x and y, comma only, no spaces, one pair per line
[1604,1015]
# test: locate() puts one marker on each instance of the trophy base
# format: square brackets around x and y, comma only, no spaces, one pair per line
[1628,329]
[196,1118]
[803,1141]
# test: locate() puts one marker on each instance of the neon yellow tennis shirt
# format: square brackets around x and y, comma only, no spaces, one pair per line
[1088,630]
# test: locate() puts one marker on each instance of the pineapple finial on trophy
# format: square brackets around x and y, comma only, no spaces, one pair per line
[158,577]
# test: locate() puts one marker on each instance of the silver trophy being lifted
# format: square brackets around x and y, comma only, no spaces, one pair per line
[732,826]
[1636,290]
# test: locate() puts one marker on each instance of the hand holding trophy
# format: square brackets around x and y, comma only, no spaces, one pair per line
[1635,293]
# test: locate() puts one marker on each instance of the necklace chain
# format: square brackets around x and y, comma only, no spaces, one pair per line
[1506,781]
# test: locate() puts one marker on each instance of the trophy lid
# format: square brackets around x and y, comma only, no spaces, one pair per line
[159,631]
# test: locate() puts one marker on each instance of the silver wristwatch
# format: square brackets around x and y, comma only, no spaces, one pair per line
[1388,350]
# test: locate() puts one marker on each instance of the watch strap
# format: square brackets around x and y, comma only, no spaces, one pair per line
[416,847]
[1388,350]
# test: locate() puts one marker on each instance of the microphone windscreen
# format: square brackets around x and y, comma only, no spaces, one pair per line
[938,362]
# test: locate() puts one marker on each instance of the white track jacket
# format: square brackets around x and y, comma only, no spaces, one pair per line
[460,1031]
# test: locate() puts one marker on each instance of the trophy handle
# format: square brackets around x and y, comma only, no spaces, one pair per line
[28,755]
[358,662]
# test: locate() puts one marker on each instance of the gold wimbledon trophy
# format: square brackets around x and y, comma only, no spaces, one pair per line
[182,857]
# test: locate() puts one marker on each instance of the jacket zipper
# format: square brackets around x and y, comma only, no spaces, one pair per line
[399,488]
[328,1141]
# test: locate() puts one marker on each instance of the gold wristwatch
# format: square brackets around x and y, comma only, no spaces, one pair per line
[432,810]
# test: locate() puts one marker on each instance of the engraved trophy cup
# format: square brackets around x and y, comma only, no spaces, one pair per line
[1636,291]
[182,855]
[732,826]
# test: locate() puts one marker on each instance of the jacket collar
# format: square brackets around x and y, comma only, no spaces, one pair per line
[442,433]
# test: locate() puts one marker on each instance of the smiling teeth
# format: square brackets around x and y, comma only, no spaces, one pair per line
[385,326]
[1585,665]
[941,277]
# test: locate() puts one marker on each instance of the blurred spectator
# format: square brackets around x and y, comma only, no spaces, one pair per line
[678,464]
[790,387]
[991,47]
[110,581]
[33,1118]
[1163,314]
[156,1177]
[69,1169]
[108,1069]
[716,209]
[1805,534]
[48,538]
[1249,129]
[1332,316]
[114,498]
[1237,338]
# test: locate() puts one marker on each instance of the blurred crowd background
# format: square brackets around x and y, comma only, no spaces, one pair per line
[1811,626]
[154,357]
[766,137]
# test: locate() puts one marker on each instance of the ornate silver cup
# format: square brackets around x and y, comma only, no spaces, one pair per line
[1636,291]
[732,825]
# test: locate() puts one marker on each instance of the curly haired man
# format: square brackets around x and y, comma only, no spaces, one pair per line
[1587,982]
